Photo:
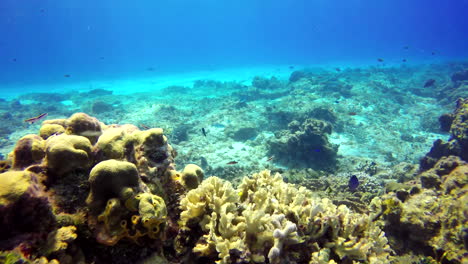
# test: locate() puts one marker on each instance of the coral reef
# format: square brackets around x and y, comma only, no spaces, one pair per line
[305,145]
[432,217]
[87,192]
[266,218]
[457,144]
[119,204]
[46,189]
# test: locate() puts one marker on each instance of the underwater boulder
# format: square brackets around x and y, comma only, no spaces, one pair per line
[305,145]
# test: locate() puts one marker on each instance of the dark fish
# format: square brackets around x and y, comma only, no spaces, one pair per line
[337,69]
[101,58]
[380,60]
[271,158]
[433,53]
[150,69]
[232,162]
[42,10]
[317,150]
[429,83]
[291,67]
[352,113]
[14,59]
[33,120]
[403,60]
[203,131]
[145,126]
[67,75]
[353,183]
[406,47]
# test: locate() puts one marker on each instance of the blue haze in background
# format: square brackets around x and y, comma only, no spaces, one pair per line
[43,40]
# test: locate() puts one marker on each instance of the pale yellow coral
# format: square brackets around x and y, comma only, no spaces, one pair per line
[270,214]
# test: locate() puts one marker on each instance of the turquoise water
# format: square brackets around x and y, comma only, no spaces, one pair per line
[320,91]
[44,40]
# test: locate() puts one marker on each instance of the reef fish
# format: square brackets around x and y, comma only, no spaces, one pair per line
[232,162]
[203,131]
[33,120]
[429,83]
[353,183]
[380,60]
[144,126]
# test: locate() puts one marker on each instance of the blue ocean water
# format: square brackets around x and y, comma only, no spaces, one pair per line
[41,41]
[353,106]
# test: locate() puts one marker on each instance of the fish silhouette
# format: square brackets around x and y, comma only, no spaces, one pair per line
[353,183]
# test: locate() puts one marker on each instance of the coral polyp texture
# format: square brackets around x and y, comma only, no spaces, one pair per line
[82,191]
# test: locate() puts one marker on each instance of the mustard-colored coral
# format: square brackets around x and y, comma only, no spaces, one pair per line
[13,184]
[115,142]
[48,130]
[110,179]
[84,125]
[66,153]
[121,207]
[29,150]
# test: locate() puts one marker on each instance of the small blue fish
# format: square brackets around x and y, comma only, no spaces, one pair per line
[218,125]
[353,183]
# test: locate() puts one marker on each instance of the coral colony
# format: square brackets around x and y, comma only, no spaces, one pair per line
[82,192]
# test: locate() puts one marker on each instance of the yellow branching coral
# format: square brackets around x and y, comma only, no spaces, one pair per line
[268,215]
